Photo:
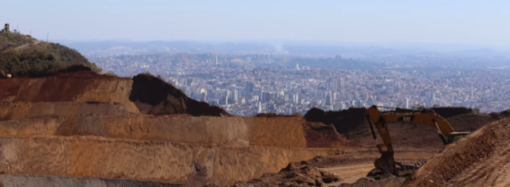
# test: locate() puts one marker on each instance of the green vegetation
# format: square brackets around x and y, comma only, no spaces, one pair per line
[22,55]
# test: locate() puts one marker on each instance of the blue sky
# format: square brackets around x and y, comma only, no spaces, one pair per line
[460,22]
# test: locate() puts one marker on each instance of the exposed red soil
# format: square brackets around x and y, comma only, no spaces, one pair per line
[305,173]
[479,159]
[154,96]
[65,87]
[320,135]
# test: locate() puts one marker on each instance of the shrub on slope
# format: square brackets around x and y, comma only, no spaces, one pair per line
[23,55]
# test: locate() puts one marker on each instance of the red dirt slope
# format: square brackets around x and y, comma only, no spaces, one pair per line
[480,159]
[65,86]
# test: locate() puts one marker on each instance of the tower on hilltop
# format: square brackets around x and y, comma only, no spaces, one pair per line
[6,28]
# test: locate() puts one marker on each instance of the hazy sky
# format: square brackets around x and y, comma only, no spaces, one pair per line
[430,21]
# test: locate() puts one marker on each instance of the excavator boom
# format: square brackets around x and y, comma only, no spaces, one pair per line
[379,120]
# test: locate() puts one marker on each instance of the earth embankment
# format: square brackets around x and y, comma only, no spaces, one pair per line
[27,110]
[80,124]
[480,159]
[144,160]
[59,181]
[231,131]
[82,86]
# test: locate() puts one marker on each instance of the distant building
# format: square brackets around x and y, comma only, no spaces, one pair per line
[236,96]
[249,87]
[296,98]
[266,96]
[6,28]
[226,98]
[329,98]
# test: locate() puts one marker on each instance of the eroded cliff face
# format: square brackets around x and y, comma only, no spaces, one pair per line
[144,160]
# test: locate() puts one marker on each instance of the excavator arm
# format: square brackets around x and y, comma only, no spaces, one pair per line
[379,120]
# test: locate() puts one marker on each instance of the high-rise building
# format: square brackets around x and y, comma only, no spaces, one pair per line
[266,96]
[340,84]
[407,102]
[249,87]
[255,98]
[329,98]
[333,85]
[226,98]
[203,94]
[236,96]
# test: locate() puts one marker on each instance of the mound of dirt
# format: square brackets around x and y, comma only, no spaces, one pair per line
[479,159]
[447,112]
[305,173]
[154,96]
[323,171]
[471,122]
[320,135]
[344,121]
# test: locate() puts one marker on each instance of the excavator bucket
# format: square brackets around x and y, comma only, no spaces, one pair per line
[386,163]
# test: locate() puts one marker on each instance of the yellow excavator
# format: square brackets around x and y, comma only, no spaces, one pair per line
[426,117]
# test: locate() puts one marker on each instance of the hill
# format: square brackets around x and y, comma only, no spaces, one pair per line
[22,55]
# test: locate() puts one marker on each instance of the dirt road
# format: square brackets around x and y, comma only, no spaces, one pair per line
[350,173]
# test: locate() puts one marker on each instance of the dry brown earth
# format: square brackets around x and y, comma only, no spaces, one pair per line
[480,159]
[145,160]
[59,181]
[80,128]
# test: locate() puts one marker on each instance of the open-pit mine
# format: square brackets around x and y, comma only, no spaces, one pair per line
[79,128]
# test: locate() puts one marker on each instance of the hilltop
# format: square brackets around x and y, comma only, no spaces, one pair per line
[23,55]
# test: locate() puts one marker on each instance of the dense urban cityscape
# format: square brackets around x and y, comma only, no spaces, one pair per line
[247,84]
